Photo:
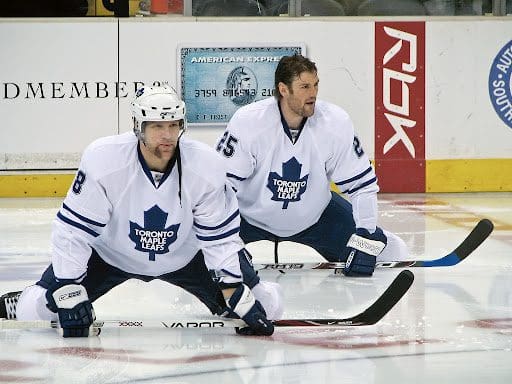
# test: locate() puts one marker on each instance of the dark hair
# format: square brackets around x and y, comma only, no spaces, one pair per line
[290,67]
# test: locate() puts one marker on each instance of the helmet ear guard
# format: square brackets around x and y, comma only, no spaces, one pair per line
[157,104]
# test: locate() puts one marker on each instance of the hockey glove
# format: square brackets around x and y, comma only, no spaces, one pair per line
[243,305]
[71,302]
[364,247]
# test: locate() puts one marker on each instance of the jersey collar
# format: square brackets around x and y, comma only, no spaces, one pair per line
[147,171]
[287,128]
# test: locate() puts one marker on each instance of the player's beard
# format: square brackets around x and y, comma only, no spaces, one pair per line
[302,109]
[308,109]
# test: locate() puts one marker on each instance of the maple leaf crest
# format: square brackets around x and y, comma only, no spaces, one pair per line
[153,238]
[290,186]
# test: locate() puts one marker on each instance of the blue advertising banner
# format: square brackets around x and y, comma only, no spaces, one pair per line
[500,84]
[214,81]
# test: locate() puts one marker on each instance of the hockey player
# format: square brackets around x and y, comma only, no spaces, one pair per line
[283,152]
[148,204]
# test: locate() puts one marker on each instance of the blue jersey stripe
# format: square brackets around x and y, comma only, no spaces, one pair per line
[218,237]
[78,280]
[227,221]
[77,225]
[230,274]
[235,177]
[368,170]
[83,218]
[366,183]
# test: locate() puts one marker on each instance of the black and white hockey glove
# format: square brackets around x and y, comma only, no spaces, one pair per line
[364,247]
[243,305]
[71,302]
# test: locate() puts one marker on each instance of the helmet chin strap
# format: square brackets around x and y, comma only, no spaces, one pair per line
[142,138]
[138,131]
[183,128]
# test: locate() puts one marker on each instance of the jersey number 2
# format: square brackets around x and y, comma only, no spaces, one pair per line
[358,149]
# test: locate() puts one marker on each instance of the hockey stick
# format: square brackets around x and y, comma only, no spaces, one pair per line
[369,316]
[476,237]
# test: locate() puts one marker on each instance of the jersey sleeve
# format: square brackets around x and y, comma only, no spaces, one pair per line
[84,213]
[217,226]
[234,147]
[352,172]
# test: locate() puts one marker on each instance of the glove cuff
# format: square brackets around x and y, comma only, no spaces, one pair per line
[241,301]
[371,247]
[66,296]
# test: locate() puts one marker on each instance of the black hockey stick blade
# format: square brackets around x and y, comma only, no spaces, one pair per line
[476,237]
[472,241]
[370,315]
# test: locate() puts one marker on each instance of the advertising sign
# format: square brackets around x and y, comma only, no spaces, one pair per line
[215,81]
[400,106]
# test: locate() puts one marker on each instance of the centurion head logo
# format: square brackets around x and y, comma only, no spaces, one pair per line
[242,86]
[500,84]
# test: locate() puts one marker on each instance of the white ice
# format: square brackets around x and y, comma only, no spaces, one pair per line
[453,326]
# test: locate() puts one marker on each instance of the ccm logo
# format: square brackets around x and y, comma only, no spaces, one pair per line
[70,295]
[398,114]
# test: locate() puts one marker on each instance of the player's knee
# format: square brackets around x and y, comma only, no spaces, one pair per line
[270,295]
[400,247]
[32,305]
[395,250]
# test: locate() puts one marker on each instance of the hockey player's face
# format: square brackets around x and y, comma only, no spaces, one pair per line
[161,138]
[301,96]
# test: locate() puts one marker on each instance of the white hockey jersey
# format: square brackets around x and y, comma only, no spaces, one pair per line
[144,227]
[283,185]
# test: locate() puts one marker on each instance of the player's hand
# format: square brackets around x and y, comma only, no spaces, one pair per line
[364,247]
[71,302]
[243,305]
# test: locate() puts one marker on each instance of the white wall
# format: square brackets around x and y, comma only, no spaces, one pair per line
[51,53]
[460,119]
[51,132]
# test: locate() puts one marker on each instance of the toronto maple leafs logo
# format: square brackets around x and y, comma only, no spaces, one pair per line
[153,237]
[290,186]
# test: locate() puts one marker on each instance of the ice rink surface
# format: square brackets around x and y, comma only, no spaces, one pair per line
[453,326]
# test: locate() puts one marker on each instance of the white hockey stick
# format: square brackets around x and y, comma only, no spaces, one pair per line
[371,315]
[472,241]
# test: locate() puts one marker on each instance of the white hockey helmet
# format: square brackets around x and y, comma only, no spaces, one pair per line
[156,104]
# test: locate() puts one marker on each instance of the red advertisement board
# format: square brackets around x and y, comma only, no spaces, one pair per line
[400,106]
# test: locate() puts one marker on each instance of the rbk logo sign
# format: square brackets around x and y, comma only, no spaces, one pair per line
[400,106]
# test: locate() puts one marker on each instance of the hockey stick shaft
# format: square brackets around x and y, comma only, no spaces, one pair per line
[369,316]
[177,323]
[476,237]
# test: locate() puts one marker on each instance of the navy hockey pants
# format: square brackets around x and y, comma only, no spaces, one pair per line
[328,236]
[194,278]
